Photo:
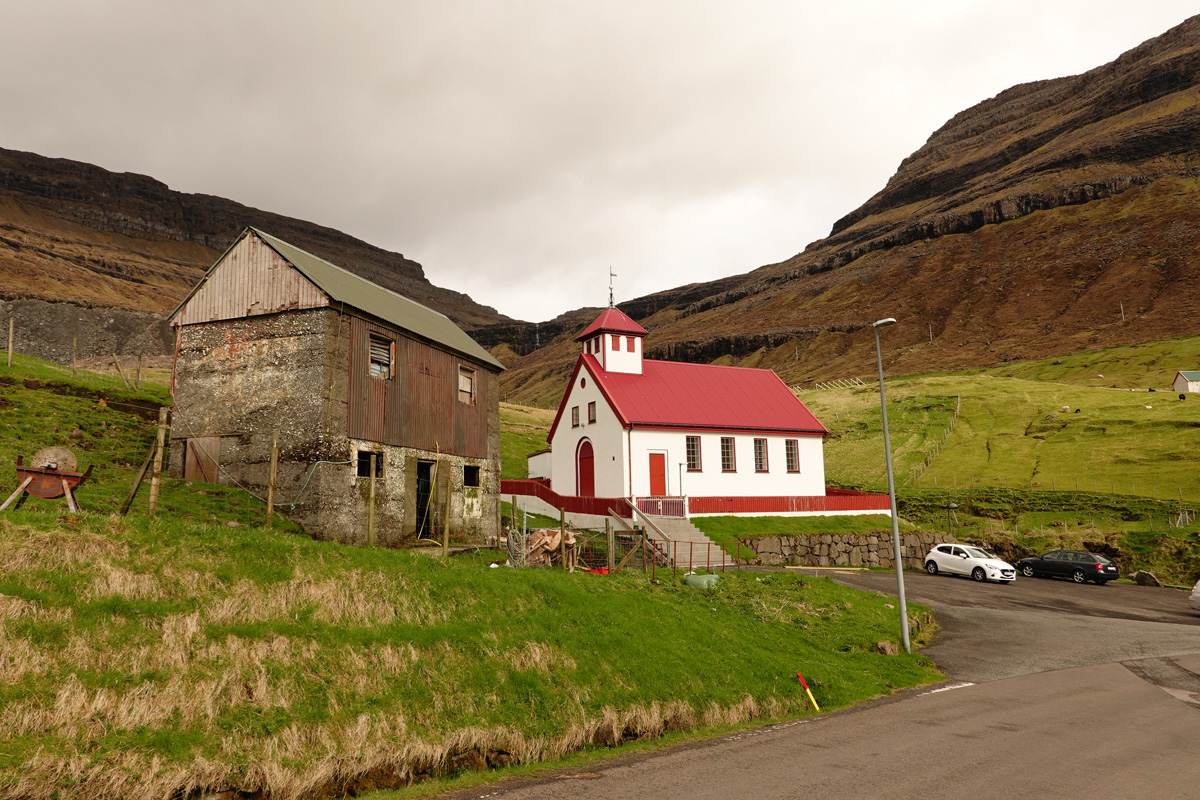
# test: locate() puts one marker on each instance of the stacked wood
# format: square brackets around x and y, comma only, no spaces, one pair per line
[544,547]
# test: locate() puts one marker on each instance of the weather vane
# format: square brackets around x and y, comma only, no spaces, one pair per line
[611,275]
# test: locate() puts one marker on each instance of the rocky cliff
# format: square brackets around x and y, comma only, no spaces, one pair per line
[1059,215]
[75,233]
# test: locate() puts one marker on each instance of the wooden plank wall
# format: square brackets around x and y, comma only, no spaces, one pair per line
[252,279]
[419,406]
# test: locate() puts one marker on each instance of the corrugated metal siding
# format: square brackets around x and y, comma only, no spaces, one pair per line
[419,406]
[252,279]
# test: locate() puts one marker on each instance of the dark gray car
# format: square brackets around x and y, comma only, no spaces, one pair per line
[1077,565]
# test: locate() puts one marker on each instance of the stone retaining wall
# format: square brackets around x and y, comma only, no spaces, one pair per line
[845,549]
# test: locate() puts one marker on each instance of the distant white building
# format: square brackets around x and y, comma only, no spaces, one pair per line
[1187,381]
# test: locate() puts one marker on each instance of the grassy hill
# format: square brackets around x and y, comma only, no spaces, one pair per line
[1007,427]
[193,651]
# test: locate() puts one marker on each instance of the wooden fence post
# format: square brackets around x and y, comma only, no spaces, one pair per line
[446,522]
[271,477]
[74,353]
[137,482]
[608,537]
[155,476]
[562,537]
[117,362]
[11,323]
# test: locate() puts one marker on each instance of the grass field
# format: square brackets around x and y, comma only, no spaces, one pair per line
[1013,432]
[144,657]
[522,431]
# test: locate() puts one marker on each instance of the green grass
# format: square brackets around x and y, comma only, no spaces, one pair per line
[522,431]
[109,428]
[1013,433]
[226,651]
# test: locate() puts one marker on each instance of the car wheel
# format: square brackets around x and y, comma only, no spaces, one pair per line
[978,574]
[1027,570]
[931,568]
[1079,576]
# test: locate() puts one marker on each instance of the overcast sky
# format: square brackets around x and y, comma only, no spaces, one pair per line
[519,148]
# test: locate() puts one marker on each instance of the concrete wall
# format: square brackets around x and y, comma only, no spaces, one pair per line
[241,380]
[845,549]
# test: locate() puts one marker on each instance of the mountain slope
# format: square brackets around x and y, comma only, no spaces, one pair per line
[78,233]
[1057,216]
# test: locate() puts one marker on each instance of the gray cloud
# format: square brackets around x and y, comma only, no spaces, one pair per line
[518,149]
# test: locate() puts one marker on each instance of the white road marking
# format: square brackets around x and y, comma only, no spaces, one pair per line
[962,685]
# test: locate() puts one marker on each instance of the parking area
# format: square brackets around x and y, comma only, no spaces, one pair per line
[991,631]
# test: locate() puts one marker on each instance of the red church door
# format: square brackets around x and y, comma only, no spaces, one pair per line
[586,470]
[658,474]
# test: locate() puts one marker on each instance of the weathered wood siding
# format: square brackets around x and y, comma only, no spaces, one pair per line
[419,406]
[252,279]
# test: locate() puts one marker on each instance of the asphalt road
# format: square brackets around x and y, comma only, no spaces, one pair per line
[1056,690]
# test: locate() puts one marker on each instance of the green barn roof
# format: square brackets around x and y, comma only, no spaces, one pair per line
[347,288]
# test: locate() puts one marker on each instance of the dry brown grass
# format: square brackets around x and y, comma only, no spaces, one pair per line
[193,678]
[372,751]
[30,549]
[354,599]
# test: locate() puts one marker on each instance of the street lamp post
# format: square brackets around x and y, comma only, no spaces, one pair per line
[887,448]
[949,527]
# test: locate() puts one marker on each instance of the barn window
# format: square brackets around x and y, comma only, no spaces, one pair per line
[792,446]
[383,356]
[629,343]
[574,416]
[728,462]
[592,411]
[364,463]
[760,455]
[466,385]
[693,453]
[470,476]
[616,340]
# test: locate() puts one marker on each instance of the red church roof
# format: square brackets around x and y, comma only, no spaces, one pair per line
[612,320]
[671,394]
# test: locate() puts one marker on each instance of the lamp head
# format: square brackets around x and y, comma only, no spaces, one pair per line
[882,322]
[952,505]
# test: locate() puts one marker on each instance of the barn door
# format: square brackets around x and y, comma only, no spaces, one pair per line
[586,470]
[201,458]
[424,491]
[658,474]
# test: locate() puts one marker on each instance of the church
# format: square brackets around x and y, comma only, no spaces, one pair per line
[724,440]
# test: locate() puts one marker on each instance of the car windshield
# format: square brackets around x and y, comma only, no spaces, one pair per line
[975,552]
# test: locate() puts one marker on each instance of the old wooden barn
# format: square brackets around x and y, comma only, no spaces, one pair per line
[281,351]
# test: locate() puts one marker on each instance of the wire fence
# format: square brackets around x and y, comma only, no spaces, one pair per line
[117,440]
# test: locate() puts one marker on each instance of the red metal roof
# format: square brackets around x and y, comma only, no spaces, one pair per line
[672,394]
[612,320]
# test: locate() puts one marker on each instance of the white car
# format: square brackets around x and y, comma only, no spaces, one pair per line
[1194,600]
[965,559]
